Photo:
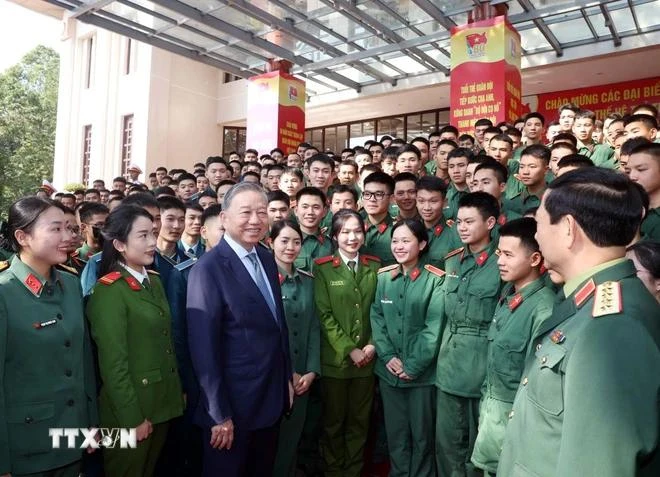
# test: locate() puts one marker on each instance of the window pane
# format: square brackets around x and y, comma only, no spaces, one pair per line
[390,127]
[342,138]
[330,143]
[414,126]
[428,123]
[317,139]
[356,135]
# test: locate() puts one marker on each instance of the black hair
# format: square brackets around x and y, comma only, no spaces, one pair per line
[278,195]
[199,165]
[119,179]
[167,203]
[276,167]
[409,148]
[341,188]
[563,145]
[186,176]
[485,203]
[605,204]
[565,136]
[417,228]
[420,139]
[98,180]
[538,151]
[585,114]
[648,256]
[513,132]
[250,174]
[118,226]
[466,137]
[385,138]
[499,169]
[311,191]
[380,177]
[448,142]
[161,168]
[194,206]
[142,199]
[648,106]
[376,144]
[215,160]
[225,182]
[164,190]
[92,191]
[212,210]
[483,122]
[68,195]
[277,149]
[504,138]
[431,184]
[294,171]
[322,158]
[632,144]
[340,218]
[536,115]
[524,229]
[405,176]
[361,150]
[648,121]
[575,160]
[207,193]
[252,151]
[79,192]
[448,129]
[397,141]
[569,106]
[390,152]
[88,209]
[460,152]
[650,148]
[350,162]
[23,215]
[493,130]
[281,225]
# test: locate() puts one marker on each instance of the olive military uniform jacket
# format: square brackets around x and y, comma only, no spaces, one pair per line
[651,225]
[377,239]
[132,328]
[406,323]
[343,302]
[588,400]
[46,368]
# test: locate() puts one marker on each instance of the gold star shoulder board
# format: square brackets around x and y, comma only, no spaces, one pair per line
[4,265]
[305,272]
[388,268]
[608,300]
[434,270]
[454,252]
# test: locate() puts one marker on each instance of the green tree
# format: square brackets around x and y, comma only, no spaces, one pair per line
[28,114]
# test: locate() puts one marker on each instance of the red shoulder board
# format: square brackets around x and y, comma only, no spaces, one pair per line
[110,278]
[584,293]
[454,252]
[281,277]
[382,228]
[322,260]
[133,283]
[517,300]
[481,259]
[450,223]
[501,219]
[414,274]
[365,259]
[434,270]
[437,230]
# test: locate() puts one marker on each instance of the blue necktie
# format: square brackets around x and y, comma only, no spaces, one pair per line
[261,283]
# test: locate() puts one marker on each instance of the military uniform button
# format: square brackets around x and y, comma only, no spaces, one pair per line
[168,351]
[357,305]
[544,360]
[357,322]
[511,415]
[28,420]
[58,316]
[68,373]
[172,370]
[70,402]
[464,279]
[67,343]
[356,289]
[165,332]
[538,346]
[295,333]
[357,337]
[145,381]
[525,381]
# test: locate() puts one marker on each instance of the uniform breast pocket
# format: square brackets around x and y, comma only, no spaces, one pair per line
[147,388]
[509,357]
[28,427]
[545,380]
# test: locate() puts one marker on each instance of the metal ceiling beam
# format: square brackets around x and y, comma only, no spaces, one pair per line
[250,38]
[587,20]
[631,5]
[434,12]
[543,28]
[89,7]
[609,23]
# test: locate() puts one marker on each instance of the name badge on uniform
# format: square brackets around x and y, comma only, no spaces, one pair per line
[336,283]
[386,301]
[452,275]
[43,324]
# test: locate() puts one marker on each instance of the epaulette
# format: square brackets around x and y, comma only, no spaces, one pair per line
[187,264]
[322,260]
[67,268]
[305,272]
[608,300]
[370,258]
[110,278]
[454,252]
[434,270]
[153,272]
[388,268]
[4,265]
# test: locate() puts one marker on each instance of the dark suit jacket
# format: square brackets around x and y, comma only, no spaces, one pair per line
[240,354]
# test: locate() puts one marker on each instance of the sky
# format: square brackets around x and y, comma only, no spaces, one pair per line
[22,30]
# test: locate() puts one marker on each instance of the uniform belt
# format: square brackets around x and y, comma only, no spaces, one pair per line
[468,330]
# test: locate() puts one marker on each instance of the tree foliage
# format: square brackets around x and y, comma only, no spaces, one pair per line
[28,114]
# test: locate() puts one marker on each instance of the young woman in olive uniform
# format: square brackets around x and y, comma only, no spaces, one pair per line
[304,338]
[46,367]
[344,288]
[406,322]
[131,325]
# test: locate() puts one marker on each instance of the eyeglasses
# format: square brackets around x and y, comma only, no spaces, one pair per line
[366,195]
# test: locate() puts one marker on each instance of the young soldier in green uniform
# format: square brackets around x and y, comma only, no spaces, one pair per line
[442,236]
[588,399]
[472,288]
[534,164]
[438,166]
[524,304]
[406,321]
[304,338]
[501,149]
[644,165]
[321,174]
[601,155]
[172,214]
[92,217]
[404,206]
[130,322]
[310,210]
[46,365]
[491,177]
[344,289]
[456,164]
[378,189]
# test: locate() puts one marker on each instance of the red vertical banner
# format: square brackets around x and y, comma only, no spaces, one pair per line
[485,73]
[276,112]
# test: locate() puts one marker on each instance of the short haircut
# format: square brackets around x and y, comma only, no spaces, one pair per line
[361,150]
[194,206]
[225,182]
[186,176]
[538,151]
[421,139]
[504,138]
[207,193]
[536,115]
[418,230]
[485,203]
[483,122]
[435,133]
[633,143]
[119,179]
[647,106]
[650,148]
[277,149]
[478,159]
[499,169]
[164,190]
[293,171]
[390,152]
[569,106]
[409,148]
[449,129]
[514,132]
[397,141]
[168,203]
[431,184]
[565,136]
[459,152]
[96,181]
[161,169]
[79,192]
[466,137]
[342,189]
[493,130]
[250,174]
[141,199]
[375,144]
[322,158]
[649,121]
[448,142]
[648,256]
[253,164]
[349,162]
[92,191]
[251,151]
[380,177]
[385,138]
[68,195]
[152,175]
[88,209]
[405,176]
[199,165]
[276,167]
[585,114]
[313,191]
[212,211]
[613,117]
[606,204]
[524,229]
[215,160]
[278,196]
[575,160]
[563,145]
[370,168]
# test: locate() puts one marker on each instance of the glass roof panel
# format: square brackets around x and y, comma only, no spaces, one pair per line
[355,75]
[342,25]
[407,64]
[450,6]
[648,14]
[571,30]
[552,3]
[136,16]
[241,20]
[190,37]
[531,38]
[370,42]
[382,67]
[598,22]
[623,20]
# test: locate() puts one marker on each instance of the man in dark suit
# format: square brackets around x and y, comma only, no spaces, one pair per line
[238,342]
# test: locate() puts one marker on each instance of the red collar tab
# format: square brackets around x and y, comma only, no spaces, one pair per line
[382,228]
[336,262]
[437,230]
[501,219]
[414,274]
[133,283]
[542,268]
[281,277]
[585,292]
[557,337]
[320,237]
[481,259]
[33,284]
[515,301]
